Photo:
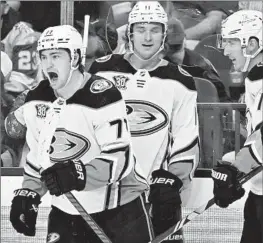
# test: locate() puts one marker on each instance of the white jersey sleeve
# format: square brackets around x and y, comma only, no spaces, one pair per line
[254,97]
[250,156]
[113,162]
[185,150]
[16,123]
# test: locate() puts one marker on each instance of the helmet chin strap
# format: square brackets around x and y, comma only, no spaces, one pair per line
[148,59]
[246,64]
[248,58]
[71,72]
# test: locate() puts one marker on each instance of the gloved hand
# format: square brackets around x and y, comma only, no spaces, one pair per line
[24,210]
[226,186]
[165,200]
[65,177]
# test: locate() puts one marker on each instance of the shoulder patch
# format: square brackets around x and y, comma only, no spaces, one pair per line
[183,71]
[100,85]
[256,72]
[104,59]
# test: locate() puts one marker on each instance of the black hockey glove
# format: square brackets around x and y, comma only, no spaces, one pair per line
[226,186]
[65,177]
[165,200]
[24,209]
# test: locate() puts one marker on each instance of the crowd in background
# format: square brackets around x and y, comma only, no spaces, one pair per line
[191,38]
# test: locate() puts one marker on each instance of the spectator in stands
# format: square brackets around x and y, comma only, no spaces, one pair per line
[9,17]
[15,5]
[40,14]
[201,18]
[20,44]
[92,8]
[250,5]
[102,39]
[6,104]
[191,61]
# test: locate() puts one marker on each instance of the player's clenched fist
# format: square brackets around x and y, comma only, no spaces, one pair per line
[226,186]
[65,177]
[24,211]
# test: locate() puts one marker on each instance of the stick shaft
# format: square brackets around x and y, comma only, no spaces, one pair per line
[85,38]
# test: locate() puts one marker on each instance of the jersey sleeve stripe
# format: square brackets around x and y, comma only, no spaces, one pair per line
[126,162]
[107,198]
[183,161]
[32,176]
[110,162]
[111,151]
[187,148]
[119,193]
[108,168]
[253,153]
[33,167]
[258,126]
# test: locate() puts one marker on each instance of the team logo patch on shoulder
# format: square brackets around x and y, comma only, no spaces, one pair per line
[182,71]
[100,85]
[121,81]
[53,237]
[104,59]
[42,110]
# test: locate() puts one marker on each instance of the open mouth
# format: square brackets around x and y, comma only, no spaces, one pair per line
[53,76]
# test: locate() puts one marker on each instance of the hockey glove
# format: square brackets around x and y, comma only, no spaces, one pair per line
[65,177]
[165,200]
[226,186]
[24,209]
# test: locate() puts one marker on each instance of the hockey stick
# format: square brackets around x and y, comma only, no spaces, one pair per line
[85,38]
[44,143]
[180,224]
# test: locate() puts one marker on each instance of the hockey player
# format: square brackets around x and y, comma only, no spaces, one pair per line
[161,106]
[91,140]
[241,39]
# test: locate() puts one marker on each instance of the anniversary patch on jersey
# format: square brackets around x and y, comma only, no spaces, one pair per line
[66,145]
[42,110]
[145,117]
[100,85]
[104,59]
[121,81]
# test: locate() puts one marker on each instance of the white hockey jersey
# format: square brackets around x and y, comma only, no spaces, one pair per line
[162,114]
[92,128]
[254,113]
[250,157]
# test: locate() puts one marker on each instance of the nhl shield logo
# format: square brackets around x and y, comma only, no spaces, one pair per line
[121,81]
[42,110]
